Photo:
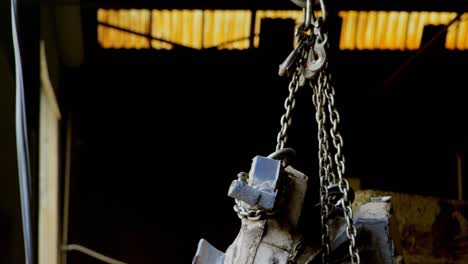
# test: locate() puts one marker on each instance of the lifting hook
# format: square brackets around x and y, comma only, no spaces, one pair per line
[316,58]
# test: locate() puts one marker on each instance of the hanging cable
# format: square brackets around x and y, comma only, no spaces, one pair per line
[24,171]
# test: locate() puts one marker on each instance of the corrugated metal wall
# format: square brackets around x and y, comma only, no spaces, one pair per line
[230,29]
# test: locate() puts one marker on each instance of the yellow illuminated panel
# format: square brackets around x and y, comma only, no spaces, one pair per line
[349,24]
[421,22]
[361,30]
[380,31]
[461,41]
[226,29]
[401,30]
[389,37]
[134,20]
[369,36]
[230,29]
[396,30]
[160,29]
[412,31]
[451,36]
[191,28]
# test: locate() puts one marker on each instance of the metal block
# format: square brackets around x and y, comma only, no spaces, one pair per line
[374,229]
[274,236]
[264,173]
[242,191]
[262,184]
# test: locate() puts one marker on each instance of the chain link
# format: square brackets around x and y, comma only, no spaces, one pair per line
[324,166]
[331,166]
[289,104]
[324,89]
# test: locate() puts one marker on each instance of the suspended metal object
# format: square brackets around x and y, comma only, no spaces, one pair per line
[269,199]
[269,234]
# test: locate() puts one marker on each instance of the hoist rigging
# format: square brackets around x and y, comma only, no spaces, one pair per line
[269,199]
[308,63]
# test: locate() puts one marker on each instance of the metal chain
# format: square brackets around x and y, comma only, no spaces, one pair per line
[324,82]
[331,170]
[296,248]
[244,212]
[324,166]
[289,105]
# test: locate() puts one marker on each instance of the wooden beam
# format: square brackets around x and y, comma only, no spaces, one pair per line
[48,223]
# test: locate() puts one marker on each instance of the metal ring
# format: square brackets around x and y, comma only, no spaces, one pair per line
[309,16]
[283,154]
[303,4]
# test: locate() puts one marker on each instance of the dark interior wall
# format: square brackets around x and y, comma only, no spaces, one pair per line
[179,135]
[159,136]
[404,137]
